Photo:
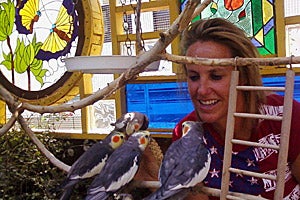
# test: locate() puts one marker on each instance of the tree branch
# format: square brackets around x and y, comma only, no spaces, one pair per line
[200,8]
[42,147]
[230,61]
[8,125]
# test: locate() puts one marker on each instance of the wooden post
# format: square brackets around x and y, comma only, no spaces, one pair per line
[285,134]
[229,134]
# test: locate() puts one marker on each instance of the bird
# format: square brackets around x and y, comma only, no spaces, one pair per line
[131,122]
[186,163]
[120,167]
[91,161]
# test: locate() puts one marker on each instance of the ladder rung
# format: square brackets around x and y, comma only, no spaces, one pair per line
[254,174]
[249,88]
[241,197]
[258,116]
[254,144]
[233,197]
[217,193]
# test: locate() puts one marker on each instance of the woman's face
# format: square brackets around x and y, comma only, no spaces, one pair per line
[209,85]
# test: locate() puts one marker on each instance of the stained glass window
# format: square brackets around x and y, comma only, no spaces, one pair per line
[35,36]
[255,17]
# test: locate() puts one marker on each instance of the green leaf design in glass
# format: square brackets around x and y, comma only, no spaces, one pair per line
[7,16]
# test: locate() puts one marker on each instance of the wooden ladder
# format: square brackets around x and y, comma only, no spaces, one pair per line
[284,138]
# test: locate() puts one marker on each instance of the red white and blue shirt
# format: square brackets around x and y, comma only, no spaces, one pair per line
[255,159]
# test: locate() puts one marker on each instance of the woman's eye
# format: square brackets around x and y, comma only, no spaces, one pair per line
[215,77]
[194,78]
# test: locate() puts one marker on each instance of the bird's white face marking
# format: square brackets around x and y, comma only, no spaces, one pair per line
[144,139]
[185,128]
[129,116]
[117,140]
[131,123]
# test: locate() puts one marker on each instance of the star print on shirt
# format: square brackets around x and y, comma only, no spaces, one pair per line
[253,181]
[213,150]
[230,183]
[240,160]
[214,173]
[250,162]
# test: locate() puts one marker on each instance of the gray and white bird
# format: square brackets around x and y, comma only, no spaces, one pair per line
[91,161]
[120,167]
[131,122]
[186,163]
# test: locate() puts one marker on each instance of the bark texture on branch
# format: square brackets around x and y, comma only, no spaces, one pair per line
[231,61]
[59,164]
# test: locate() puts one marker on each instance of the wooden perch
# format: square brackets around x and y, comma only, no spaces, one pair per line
[231,61]
[8,125]
[199,189]
[14,107]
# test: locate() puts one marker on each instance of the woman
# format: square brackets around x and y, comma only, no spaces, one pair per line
[209,91]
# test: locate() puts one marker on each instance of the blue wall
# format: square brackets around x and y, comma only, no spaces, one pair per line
[280,82]
[166,103]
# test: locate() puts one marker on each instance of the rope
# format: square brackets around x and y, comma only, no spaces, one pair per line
[156,150]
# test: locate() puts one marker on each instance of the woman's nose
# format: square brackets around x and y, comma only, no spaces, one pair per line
[204,88]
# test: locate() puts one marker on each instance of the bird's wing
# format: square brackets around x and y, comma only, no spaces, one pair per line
[120,169]
[191,169]
[90,162]
[169,161]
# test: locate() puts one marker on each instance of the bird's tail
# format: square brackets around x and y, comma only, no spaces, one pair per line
[68,183]
[97,196]
[180,194]
[155,195]
[66,194]
[67,187]
[161,194]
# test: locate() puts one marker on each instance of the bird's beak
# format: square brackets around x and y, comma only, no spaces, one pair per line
[150,139]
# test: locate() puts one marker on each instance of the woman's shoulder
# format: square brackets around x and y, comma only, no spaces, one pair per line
[275,99]
[275,102]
